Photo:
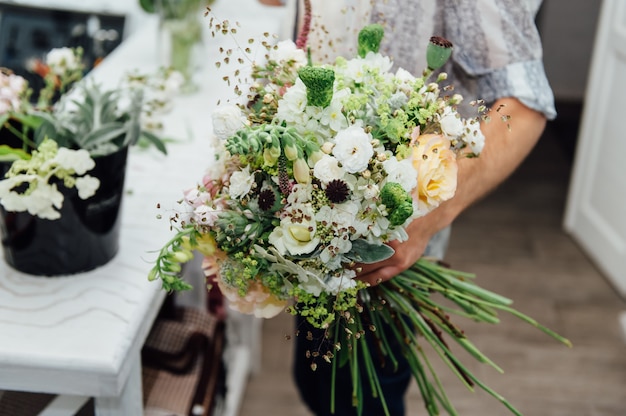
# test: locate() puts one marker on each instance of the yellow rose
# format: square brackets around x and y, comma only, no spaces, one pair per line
[437,171]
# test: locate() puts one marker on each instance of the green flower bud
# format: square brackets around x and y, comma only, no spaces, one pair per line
[319,85]
[152,275]
[271,155]
[397,201]
[438,52]
[182,256]
[291,151]
[369,39]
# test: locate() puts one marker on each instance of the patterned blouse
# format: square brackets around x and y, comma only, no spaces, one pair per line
[497,48]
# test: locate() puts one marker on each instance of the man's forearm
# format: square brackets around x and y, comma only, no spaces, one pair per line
[507,143]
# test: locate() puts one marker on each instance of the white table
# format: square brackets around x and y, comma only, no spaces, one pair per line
[81,335]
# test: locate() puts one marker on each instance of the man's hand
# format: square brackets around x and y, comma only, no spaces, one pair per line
[507,143]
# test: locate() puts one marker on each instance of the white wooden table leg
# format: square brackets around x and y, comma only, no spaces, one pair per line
[130,400]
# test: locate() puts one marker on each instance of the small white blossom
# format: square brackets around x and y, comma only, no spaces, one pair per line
[474,136]
[61,60]
[401,172]
[87,186]
[336,284]
[353,148]
[286,52]
[206,215]
[240,183]
[77,160]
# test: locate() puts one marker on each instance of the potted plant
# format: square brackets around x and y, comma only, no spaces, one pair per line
[63,157]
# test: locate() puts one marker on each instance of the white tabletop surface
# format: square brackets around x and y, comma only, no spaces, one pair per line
[80,334]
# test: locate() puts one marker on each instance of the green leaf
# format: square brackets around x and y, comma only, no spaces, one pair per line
[364,252]
[155,140]
[106,133]
[9,154]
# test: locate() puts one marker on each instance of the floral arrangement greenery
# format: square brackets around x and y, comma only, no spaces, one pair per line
[315,172]
[54,140]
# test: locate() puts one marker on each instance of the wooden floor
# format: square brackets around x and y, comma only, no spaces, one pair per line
[514,242]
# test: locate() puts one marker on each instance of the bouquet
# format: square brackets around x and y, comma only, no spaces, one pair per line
[315,173]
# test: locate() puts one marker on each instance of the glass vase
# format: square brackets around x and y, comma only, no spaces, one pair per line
[180,36]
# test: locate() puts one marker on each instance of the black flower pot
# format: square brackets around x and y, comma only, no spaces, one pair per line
[85,237]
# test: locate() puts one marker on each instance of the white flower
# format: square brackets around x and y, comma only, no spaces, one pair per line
[240,183]
[451,123]
[369,189]
[404,77]
[336,284]
[227,120]
[61,60]
[300,194]
[286,51]
[378,61]
[353,148]
[206,215]
[11,87]
[341,216]
[474,136]
[296,233]
[174,82]
[77,160]
[87,186]
[41,201]
[328,169]
[292,105]
[401,172]
[333,117]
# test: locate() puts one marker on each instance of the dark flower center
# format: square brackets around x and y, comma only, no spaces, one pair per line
[337,191]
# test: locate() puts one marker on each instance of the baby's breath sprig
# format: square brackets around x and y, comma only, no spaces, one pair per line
[241,54]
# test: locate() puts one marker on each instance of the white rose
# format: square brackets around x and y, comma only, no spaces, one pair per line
[451,123]
[353,148]
[227,120]
[328,169]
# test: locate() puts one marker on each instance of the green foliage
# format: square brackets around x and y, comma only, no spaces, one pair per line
[98,125]
[364,252]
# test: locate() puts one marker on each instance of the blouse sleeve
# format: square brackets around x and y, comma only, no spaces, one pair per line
[498,51]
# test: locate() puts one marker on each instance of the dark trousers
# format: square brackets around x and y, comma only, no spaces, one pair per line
[315,386]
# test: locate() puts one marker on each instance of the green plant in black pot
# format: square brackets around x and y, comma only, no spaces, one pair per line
[63,156]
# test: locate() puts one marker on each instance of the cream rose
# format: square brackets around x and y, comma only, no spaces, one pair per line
[437,171]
